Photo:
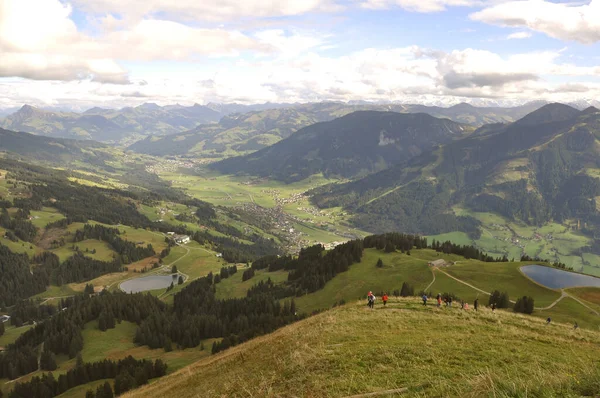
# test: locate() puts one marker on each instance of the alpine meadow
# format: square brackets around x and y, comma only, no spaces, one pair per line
[330,198]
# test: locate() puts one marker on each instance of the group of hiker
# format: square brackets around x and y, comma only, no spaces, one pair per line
[447,302]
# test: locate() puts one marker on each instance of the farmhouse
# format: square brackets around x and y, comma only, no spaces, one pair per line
[438,263]
[182,239]
[4,318]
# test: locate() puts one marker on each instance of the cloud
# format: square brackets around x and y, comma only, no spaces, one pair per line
[454,80]
[46,44]
[419,5]
[519,35]
[212,10]
[558,20]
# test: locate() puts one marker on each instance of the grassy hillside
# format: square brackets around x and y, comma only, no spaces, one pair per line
[427,351]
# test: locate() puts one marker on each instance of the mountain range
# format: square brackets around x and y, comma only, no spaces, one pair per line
[543,167]
[238,134]
[357,144]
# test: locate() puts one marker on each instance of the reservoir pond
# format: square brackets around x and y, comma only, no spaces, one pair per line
[557,278]
[146,283]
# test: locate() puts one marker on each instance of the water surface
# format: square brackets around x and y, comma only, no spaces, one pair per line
[146,283]
[557,278]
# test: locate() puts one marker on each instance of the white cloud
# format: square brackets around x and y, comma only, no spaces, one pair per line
[419,5]
[216,10]
[46,44]
[559,20]
[408,74]
[519,35]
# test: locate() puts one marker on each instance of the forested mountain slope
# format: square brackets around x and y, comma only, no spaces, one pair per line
[51,149]
[543,167]
[356,144]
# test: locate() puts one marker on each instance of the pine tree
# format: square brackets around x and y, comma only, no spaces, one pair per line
[1,328]
[407,290]
[379,263]
[79,362]
[48,360]
[108,392]
[174,269]
[90,394]
[180,281]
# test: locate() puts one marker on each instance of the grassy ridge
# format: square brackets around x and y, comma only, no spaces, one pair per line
[432,352]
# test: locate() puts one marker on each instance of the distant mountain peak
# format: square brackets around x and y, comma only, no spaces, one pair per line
[462,105]
[589,110]
[549,113]
[149,106]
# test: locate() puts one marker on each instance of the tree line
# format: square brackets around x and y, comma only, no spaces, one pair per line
[129,251]
[128,373]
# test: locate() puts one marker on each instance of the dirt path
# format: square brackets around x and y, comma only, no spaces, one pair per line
[54,298]
[432,282]
[562,296]
[581,302]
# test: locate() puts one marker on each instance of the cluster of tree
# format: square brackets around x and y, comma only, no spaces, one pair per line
[103,391]
[278,291]
[226,272]
[500,299]
[20,225]
[26,311]
[2,329]
[391,242]
[129,251]
[272,262]
[79,268]
[61,334]
[555,264]
[248,274]
[197,315]
[233,250]
[128,373]
[62,223]
[524,305]
[467,251]
[18,281]
[313,268]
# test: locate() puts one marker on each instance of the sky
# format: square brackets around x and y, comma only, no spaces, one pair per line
[114,53]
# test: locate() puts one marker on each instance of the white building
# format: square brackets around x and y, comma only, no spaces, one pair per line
[4,318]
[182,239]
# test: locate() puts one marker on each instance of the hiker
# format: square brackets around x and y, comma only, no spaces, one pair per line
[371,299]
[548,321]
[575,326]
[493,306]
[466,306]
[462,305]
[424,298]
[384,298]
[476,304]
[439,300]
[450,301]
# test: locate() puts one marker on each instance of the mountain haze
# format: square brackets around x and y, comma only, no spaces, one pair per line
[55,150]
[356,144]
[245,133]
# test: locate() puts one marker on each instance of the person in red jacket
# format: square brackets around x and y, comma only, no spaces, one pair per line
[384,298]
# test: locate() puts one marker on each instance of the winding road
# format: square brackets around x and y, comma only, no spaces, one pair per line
[562,296]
